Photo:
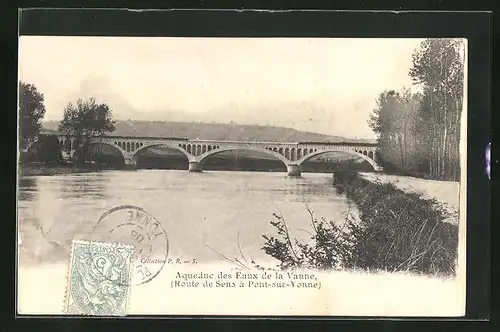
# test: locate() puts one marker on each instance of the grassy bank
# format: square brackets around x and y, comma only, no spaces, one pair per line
[446,192]
[395,231]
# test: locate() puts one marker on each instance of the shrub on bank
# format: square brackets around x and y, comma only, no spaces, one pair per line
[395,231]
[328,250]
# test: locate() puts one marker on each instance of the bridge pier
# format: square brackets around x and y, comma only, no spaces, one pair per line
[293,170]
[67,155]
[194,166]
[131,162]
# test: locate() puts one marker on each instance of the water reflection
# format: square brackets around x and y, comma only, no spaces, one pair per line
[36,197]
[85,186]
[307,187]
[212,207]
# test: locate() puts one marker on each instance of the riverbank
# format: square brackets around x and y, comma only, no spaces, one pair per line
[394,231]
[445,192]
[398,230]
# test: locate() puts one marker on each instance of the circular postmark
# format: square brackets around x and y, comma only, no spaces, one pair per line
[132,225]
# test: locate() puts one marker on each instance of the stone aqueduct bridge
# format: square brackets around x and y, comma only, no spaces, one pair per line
[197,151]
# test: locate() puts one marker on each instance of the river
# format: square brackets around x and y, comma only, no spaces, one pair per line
[223,210]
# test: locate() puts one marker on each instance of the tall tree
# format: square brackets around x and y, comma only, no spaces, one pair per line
[381,121]
[420,133]
[31,112]
[438,69]
[394,120]
[397,120]
[87,121]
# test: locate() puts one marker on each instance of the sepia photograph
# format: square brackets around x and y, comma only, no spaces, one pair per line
[241,176]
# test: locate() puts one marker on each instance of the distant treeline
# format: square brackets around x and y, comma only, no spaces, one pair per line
[419,132]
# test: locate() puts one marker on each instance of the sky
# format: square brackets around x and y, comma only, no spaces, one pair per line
[323,85]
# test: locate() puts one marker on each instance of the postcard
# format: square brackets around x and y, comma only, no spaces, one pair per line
[241,176]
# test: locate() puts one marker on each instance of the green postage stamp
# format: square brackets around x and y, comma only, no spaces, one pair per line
[99,279]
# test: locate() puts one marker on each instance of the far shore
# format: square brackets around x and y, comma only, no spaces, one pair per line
[42,169]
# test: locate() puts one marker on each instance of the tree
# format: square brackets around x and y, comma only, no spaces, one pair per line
[88,122]
[47,149]
[396,120]
[31,112]
[438,68]
[381,121]
[420,133]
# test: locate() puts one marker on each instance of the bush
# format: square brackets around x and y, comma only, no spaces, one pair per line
[395,231]
[330,248]
[47,150]
[26,157]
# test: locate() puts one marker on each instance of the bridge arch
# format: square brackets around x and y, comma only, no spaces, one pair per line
[92,145]
[203,157]
[170,146]
[365,157]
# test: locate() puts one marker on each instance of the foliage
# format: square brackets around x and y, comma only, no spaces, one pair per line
[438,68]
[419,133]
[330,246]
[31,112]
[87,121]
[47,149]
[395,231]
[398,124]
